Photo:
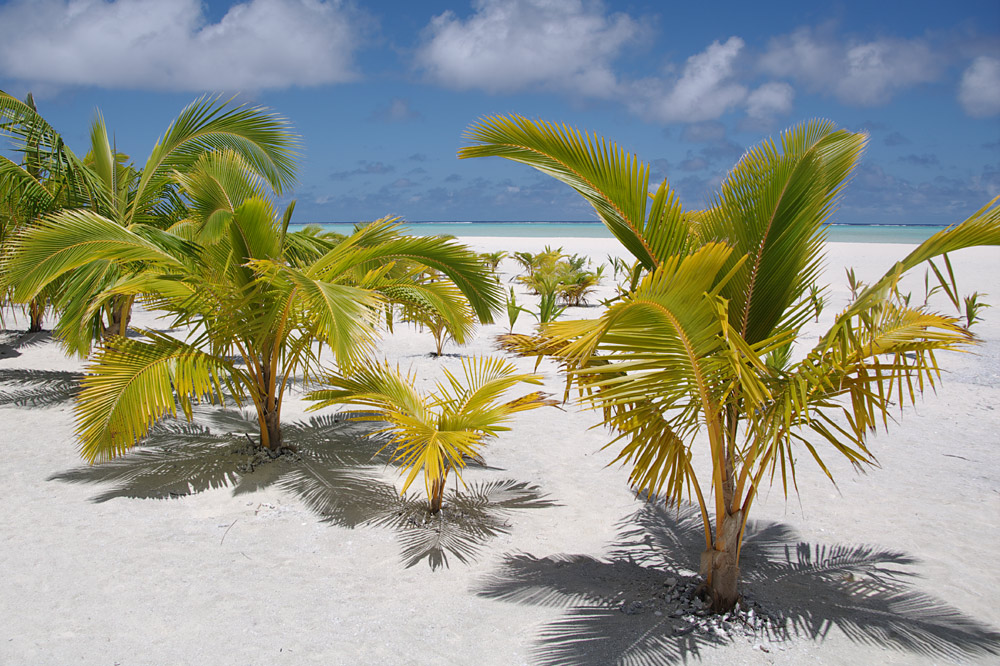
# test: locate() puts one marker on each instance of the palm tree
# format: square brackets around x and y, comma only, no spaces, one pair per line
[253,305]
[458,326]
[700,349]
[47,177]
[143,200]
[435,433]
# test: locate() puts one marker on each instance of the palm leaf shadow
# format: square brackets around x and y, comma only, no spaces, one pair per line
[621,610]
[14,341]
[334,471]
[39,388]
[467,522]
[331,470]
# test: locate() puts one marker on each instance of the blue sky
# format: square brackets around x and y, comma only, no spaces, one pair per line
[382,91]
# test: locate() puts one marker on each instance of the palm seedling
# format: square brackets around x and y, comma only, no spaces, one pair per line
[513,309]
[575,284]
[972,306]
[493,259]
[455,323]
[434,433]
[527,260]
[697,350]
[548,302]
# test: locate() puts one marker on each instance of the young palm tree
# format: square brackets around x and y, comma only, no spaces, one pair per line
[253,305]
[47,177]
[142,200]
[458,327]
[700,347]
[435,433]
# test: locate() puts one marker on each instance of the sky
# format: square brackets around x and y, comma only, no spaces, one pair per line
[382,92]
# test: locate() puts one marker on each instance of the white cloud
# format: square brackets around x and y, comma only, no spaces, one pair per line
[509,45]
[860,73]
[979,91]
[397,111]
[168,45]
[705,90]
[770,100]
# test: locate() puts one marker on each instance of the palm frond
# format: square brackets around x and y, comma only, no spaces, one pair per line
[69,239]
[219,182]
[614,182]
[340,316]
[263,138]
[379,244]
[131,384]
[771,209]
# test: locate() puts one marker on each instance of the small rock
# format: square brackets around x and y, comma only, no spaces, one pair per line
[632,608]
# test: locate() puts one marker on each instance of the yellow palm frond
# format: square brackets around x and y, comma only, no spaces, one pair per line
[437,432]
[132,384]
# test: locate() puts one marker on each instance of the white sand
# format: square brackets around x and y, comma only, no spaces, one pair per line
[248,573]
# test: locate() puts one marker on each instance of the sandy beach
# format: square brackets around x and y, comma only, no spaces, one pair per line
[188,551]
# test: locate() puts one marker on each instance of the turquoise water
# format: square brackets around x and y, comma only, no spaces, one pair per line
[844,233]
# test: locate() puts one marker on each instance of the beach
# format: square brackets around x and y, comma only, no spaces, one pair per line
[187,551]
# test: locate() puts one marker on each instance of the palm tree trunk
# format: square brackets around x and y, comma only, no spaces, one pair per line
[720,565]
[272,423]
[36,313]
[437,492]
[121,316]
[268,408]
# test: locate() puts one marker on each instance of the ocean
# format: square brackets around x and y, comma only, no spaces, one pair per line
[843,233]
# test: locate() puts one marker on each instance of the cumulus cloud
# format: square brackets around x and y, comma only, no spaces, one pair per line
[861,73]
[770,100]
[704,132]
[922,160]
[894,139]
[365,168]
[705,90]
[571,46]
[878,196]
[979,91]
[509,45]
[169,45]
[398,110]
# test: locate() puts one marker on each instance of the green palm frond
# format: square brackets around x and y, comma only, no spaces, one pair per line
[20,189]
[263,138]
[771,209]
[614,182]
[253,232]
[980,228]
[69,239]
[472,402]
[30,134]
[341,316]
[219,182]
[131,384]
[379,244]
[430,302]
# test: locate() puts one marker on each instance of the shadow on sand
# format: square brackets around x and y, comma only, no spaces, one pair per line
[13,341]
[334,471]
[621,610]
[38,388]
